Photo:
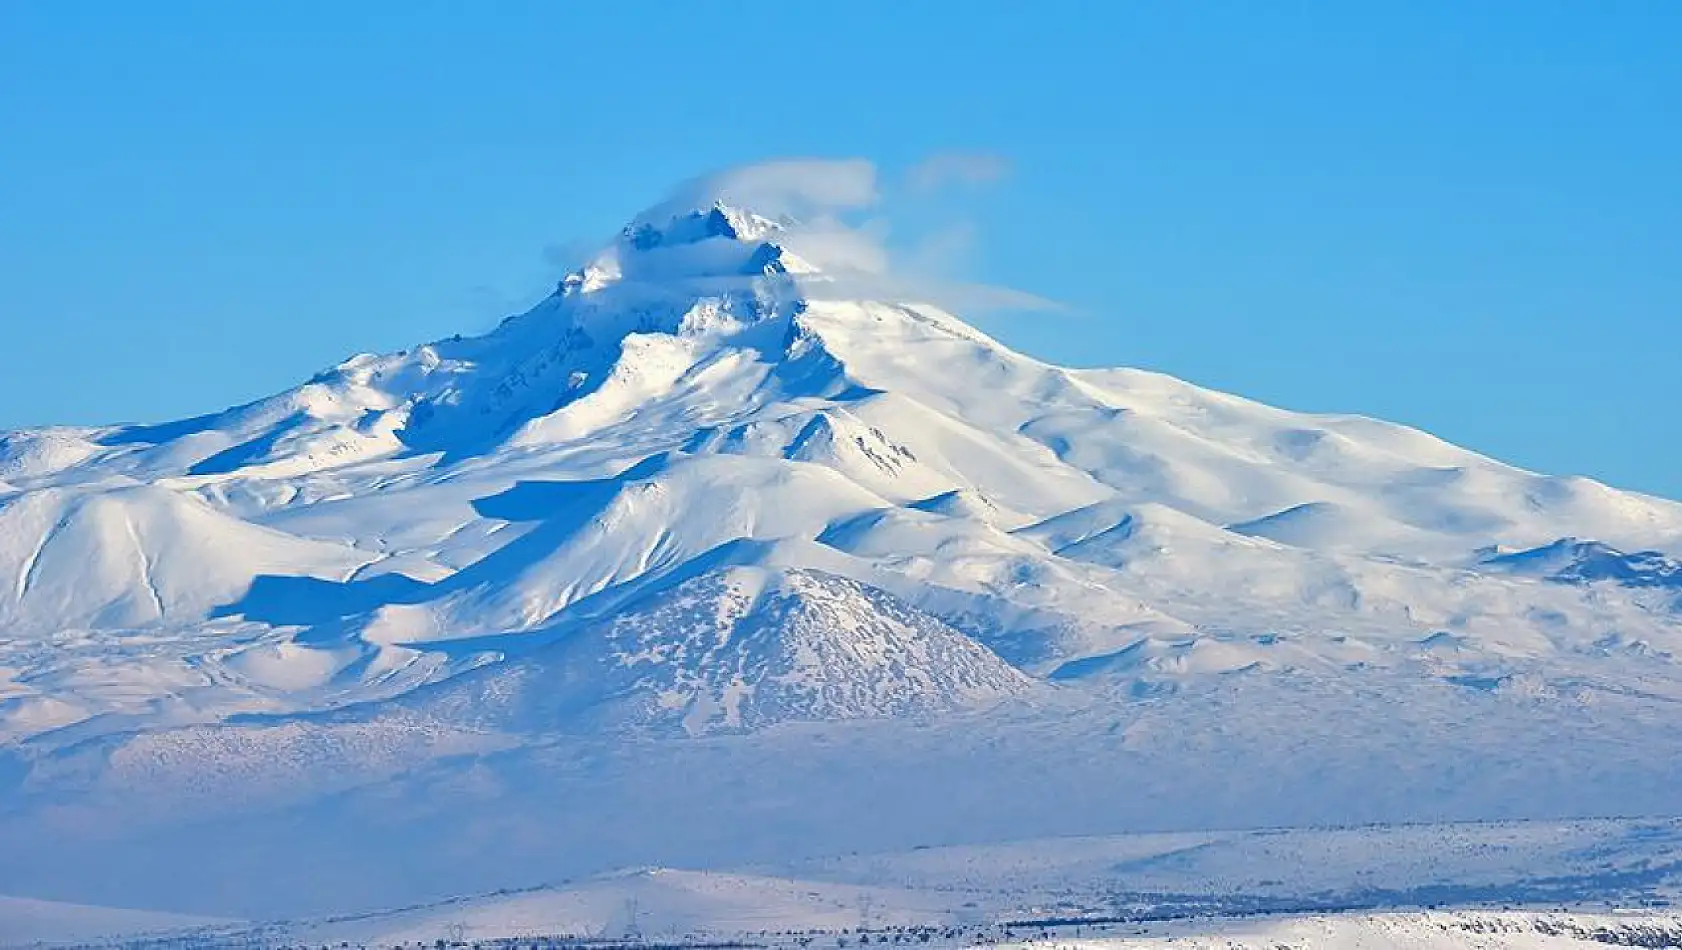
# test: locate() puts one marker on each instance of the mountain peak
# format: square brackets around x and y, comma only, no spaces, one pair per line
[691,249]
[668,225]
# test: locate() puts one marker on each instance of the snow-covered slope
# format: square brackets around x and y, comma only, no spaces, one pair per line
[737,647]
[653,905]
[33,923]
[132,556]
[709,488]
[1194,886]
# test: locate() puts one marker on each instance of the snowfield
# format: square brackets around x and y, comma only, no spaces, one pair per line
[1448,931]
[710,560]
[1293,888]
[26,923]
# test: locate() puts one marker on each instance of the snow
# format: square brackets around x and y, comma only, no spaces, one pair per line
[705,511]
[1268,888]
[735,647]
[1426,931]
[136,555]
[25,922]
[653,904]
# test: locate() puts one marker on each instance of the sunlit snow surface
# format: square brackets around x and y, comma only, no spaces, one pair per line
[701,563]
[1511,885]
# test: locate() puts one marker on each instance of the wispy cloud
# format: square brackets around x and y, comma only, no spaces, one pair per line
[961,297]
[791,187]
[946,169]
[869,237]
[832,244]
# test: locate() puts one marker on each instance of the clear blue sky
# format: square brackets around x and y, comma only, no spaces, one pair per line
[1463,216]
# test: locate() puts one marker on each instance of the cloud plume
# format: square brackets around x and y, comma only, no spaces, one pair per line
[801,188]
[870,238]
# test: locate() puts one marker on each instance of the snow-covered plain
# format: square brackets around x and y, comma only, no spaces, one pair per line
[25,922]
[1420,931]
[710,561]
[1293,887]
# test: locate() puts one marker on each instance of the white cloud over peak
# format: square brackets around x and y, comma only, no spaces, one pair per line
[869,237]
[799,188]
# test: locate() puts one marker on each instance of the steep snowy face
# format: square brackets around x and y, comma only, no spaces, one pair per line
[673,295]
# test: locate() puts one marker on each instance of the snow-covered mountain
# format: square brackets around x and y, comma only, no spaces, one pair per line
[710,487]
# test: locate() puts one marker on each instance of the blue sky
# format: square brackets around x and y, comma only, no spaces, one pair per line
[1463,216]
